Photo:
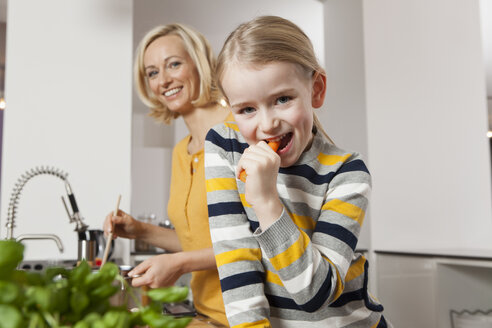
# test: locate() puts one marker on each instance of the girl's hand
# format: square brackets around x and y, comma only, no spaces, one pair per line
[261,164]
[158,271]
[124,225]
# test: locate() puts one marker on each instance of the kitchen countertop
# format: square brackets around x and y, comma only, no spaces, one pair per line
[200,321]
[463,253]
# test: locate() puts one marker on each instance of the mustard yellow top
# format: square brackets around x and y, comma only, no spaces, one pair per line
[187,210]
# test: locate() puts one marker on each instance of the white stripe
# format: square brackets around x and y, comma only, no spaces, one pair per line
[298,195]
[340,321]
[215,160]
[335,258]
[230,233]
[304,279]
[342,191]
[246,305]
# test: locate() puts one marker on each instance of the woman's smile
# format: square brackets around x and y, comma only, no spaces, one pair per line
[172,92]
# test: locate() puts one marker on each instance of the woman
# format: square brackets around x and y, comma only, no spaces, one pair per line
[174,76]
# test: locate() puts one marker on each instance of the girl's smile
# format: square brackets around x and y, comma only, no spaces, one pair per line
[273,102]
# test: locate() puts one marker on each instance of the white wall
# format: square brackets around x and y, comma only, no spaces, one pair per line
[427,123]
[68,91]
[215,19]
[344,114]
[486,21]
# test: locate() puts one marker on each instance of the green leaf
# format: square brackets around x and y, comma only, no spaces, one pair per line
[10,317]
[179,323]
[155,320]
[93,280]
[36,321]
[136,319]
[82,324]
[169,294]
[41,297]
[104,291]
[117,319]
[92,317]
[79,301]
[51,273]
[78,274]
[12,254]
[8,292]
[110,270]
[61,295]
[34,279]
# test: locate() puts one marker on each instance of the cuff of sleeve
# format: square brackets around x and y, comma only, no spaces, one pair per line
[281,232]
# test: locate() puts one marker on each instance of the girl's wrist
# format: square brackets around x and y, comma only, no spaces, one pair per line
[268,212]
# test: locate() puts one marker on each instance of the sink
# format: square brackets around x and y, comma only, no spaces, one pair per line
[41,265]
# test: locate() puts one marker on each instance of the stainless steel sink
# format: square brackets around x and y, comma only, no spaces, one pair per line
[41,265]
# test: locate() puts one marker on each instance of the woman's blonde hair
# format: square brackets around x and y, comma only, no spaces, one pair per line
[267,39]
[202,55]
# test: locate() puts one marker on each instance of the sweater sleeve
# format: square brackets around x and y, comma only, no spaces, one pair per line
[237,253]
[313,269]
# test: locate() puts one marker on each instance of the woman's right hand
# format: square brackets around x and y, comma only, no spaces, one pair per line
[158,271]
[124,225]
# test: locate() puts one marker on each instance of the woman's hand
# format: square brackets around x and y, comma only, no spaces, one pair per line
[261,164]
[158,271]
[124,225]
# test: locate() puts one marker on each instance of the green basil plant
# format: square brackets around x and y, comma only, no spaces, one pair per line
[77,298]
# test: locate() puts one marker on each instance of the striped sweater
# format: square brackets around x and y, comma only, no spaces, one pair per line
[302,271]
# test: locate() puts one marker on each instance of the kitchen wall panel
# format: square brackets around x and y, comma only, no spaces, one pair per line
[427,124]
[68,85]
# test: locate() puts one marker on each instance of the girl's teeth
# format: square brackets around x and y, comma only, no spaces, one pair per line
[278,139]
[171,92]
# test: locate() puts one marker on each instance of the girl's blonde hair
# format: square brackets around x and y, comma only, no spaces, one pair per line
[202,55]
[267,39]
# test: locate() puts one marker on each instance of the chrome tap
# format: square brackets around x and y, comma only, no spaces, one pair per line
[55,238]
[14,200]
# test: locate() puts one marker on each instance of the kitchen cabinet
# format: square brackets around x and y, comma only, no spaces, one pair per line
[429,155]
[420,289]
[427,126]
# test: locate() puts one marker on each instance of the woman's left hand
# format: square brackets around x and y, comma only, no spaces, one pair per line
[159,271]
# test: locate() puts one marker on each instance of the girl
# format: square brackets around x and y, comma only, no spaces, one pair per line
[284,241]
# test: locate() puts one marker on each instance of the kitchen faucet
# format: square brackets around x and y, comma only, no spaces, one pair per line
[14,200]
[53,237]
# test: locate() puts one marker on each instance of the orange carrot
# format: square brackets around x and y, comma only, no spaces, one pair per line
[274,145]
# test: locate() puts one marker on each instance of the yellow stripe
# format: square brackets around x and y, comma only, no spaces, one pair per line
[232,125]
[356,269]
[347,209]
[243,200]
[273,278]
[240,254]
[377,323]
[302,221]
[264,323]
[332,159]
[220,184]
[339,287]
[292,253]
